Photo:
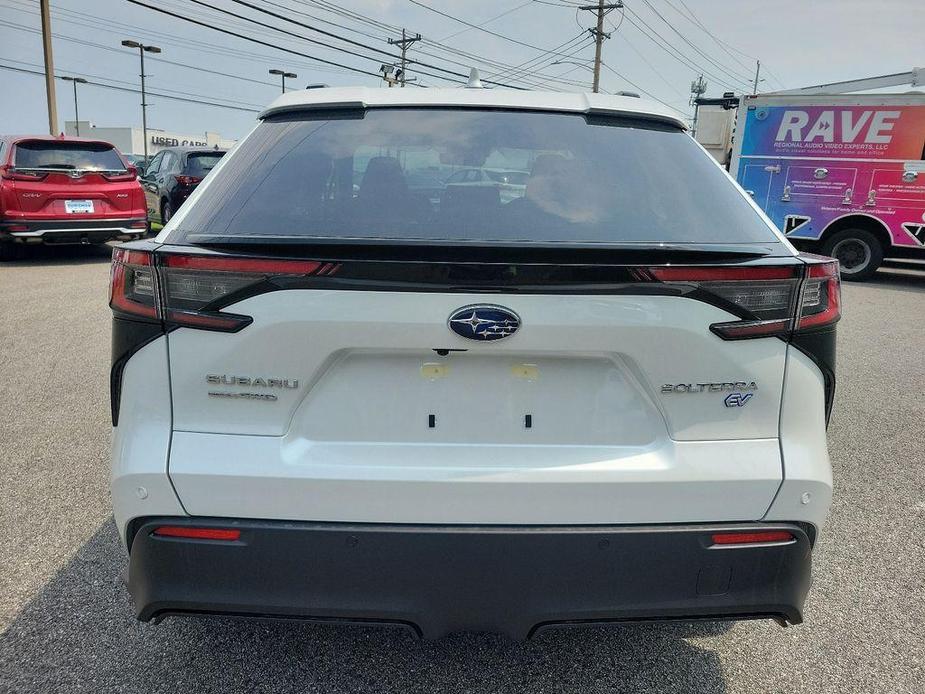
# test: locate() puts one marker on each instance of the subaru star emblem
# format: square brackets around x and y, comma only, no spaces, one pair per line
[484,322]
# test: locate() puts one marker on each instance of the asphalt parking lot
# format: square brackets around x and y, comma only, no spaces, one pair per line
[67,625]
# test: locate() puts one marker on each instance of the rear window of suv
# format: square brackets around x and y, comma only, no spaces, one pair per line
[394,174]
[201,163]
[67,155]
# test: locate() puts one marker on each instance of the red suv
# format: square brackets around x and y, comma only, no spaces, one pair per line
[59,190]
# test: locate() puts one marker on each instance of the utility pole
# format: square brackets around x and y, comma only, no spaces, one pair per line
[76,81]
[49,68]
[698,89]
[757,72]
[142,49]
[602,9]
[283,75]
[404,42]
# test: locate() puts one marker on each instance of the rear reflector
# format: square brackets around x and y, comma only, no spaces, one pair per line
[198,533]
[752,538]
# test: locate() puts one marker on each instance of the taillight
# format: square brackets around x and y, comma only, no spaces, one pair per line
[188,180]
[11,173]
[821,304]
[195,287]
[765,294]
[191,290]
[132,289]
[773,300]
[131,173]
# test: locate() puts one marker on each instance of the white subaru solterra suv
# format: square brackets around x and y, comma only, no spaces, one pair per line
[345,387]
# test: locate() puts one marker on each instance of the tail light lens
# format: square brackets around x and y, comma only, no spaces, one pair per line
[133,287]
[131,173]
[191,290]
[195,286]
[821,303]
[774,301]
[188,180]
[11,173]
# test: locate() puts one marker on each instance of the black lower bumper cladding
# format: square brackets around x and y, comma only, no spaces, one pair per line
[441,579]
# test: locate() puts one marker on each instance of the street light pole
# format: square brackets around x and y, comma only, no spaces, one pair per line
[282,76]
[76,81]
[142,49]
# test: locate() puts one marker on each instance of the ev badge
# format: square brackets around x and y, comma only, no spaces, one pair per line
[737,399]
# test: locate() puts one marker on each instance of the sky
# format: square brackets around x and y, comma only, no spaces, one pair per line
[656,46]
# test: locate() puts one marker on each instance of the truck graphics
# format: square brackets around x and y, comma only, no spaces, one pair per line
[815,164]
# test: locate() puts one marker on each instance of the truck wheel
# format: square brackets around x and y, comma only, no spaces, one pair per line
[858,252]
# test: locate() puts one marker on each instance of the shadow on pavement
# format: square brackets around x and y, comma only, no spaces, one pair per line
[908,277]
[78,635]
[33,256]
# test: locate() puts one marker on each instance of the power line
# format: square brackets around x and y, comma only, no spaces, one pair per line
[725,46]
[644,28]
[81,73]
[728,71]
[65,37]
[489,21]
[645,60]
[24,28]
[534,62]
[647,93]
[347,40]
[482,29]
[696,20]
[41,73]
[205,46]
[170,39]
[436,44]
[382,26]
[251,39]
[329,34]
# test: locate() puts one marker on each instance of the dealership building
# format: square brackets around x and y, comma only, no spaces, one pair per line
[131,140]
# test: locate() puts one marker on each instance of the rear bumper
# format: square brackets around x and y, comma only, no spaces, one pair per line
[72,231]
[440,579]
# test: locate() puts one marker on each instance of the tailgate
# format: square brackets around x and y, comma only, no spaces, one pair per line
[364,406]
